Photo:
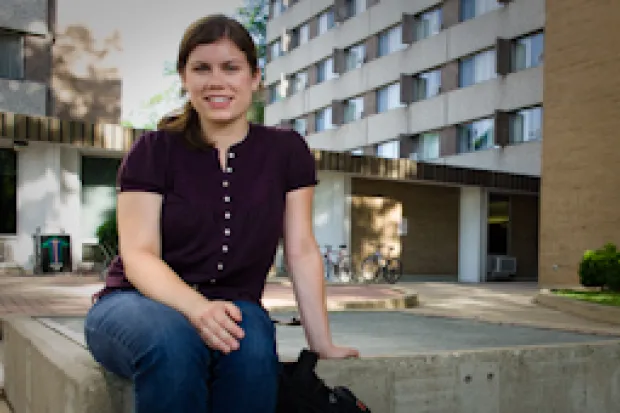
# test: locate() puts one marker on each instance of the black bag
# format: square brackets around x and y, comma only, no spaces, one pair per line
[302,391]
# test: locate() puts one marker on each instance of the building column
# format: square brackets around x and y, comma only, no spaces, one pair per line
[332,209]
[473,234]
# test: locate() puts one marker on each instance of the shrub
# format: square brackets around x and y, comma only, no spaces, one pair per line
[107,233]
[601,268]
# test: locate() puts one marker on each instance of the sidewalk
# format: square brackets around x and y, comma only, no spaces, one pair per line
[508,303]
[71,295]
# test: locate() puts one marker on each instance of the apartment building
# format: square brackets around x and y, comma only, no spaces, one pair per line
[452,83]
[455,81]
[58,69]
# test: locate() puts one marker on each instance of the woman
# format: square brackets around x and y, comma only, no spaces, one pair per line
[203,202]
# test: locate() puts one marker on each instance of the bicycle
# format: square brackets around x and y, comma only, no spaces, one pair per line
[338,266]
[377,265]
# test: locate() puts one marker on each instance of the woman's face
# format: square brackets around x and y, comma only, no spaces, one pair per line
[219,81]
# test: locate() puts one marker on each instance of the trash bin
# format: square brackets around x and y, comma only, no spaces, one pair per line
[55,253]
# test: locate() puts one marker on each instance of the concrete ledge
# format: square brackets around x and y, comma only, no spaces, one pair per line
[591,311]
[47,372]
[406,300]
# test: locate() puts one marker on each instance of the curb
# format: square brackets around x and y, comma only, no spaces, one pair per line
[591,311]
[398,303]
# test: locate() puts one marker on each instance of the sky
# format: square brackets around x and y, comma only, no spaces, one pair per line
[153,39]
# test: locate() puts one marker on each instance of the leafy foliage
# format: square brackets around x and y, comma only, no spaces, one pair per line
[601,268]
[107,233]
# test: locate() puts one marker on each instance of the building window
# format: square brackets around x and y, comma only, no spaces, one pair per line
[427,85]
[357,151]
[326,22]
[428,146]
[323,119]
[325,70]
[301,126]
[304,34]
[471,9]
[528,52]
[278,7]
[353,109]
[299,81]
[526,125]
[98,180]
[277,92]
[428,24]
[355,7]
[477,68]
[355,56]
[11,56]
[276,49]
[390,41]
[476,136]
[389,149]
[8,192]
[388,98]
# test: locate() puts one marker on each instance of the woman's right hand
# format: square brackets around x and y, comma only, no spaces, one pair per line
[217,323]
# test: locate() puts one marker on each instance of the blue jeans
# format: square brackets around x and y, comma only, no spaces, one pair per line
[172,369]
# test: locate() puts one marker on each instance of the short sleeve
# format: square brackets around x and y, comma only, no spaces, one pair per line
[144,166]
[301,168]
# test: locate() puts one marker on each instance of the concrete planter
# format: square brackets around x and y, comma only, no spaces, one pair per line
[591,311]
[46,371]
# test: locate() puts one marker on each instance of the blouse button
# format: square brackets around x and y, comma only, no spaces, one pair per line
[225,248]
[212,280]
[231,155]
[229,169]
[226,215]
[227,231]
[220,266]
[227,199]
[225,184]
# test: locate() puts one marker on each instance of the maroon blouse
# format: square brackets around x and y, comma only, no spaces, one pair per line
[219,227]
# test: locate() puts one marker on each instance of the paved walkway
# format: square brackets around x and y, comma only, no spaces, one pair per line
[501,302]
[71,295]
[507,303]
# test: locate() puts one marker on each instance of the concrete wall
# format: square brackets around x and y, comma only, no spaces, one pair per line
[46,372]
[86,79]
[523,159]
[30,16]
[430,246]
[48,197]
[332,209]
[580,196]
[23,96]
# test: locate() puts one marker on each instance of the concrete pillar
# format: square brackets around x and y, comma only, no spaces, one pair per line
[332,209]
[48,197]
[472,234]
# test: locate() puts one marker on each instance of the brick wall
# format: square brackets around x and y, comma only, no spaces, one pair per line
[431,244]
[580,203]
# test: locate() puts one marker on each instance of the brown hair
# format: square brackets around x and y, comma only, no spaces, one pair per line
[209,29]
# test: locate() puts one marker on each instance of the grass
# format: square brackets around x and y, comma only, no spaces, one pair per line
[598,297]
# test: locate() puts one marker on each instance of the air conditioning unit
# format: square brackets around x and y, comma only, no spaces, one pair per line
[501,266]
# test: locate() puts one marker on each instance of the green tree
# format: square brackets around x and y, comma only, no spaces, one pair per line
[254,15]
[151,110]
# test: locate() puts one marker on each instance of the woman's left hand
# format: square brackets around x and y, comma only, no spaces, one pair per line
[337,352]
